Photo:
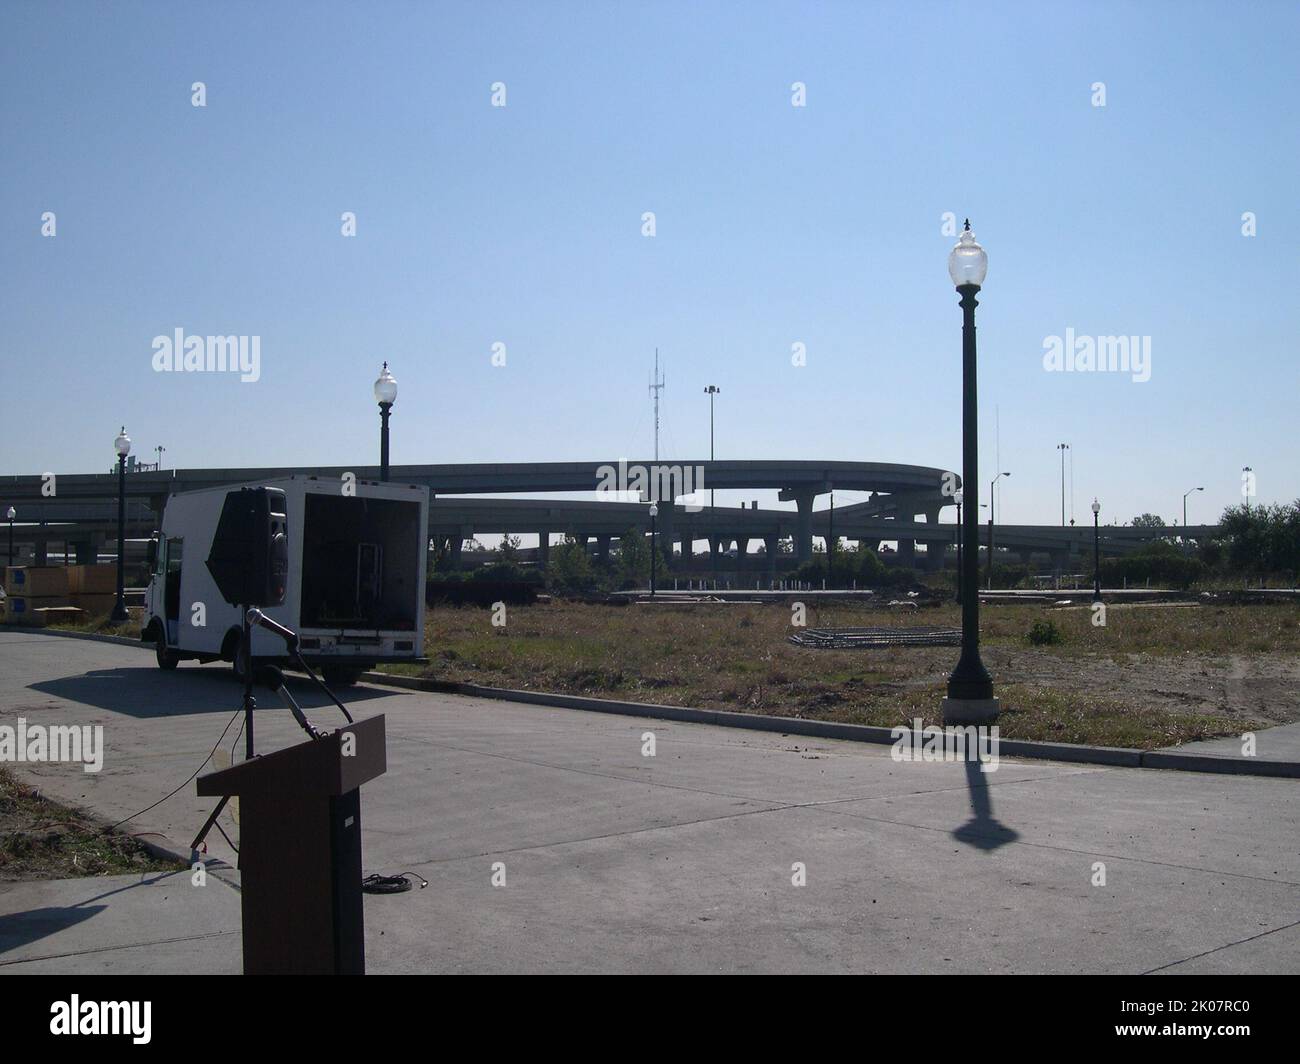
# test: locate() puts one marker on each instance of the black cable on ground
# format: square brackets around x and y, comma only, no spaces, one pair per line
[377,884]
[164,798]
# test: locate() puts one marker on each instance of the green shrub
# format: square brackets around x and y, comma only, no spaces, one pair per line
[1044,633]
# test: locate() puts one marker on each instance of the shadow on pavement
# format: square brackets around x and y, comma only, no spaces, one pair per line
[145,691]
[983,830]
[22,929]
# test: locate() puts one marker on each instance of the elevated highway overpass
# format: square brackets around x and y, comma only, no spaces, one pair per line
[83,510]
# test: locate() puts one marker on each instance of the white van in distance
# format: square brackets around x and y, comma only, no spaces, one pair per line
[355,591]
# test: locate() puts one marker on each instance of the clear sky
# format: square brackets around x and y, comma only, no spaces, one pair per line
[775,225]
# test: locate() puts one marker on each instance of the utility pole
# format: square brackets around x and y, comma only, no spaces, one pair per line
[1062,447]
[656,385]
[711,391]
[830,540]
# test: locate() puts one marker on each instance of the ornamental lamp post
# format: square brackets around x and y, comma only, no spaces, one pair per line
[1096,552]
[11,514]
[654,545]
[122,445]
[385,396]
[970,688]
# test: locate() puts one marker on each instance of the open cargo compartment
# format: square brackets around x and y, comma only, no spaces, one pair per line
[360,563]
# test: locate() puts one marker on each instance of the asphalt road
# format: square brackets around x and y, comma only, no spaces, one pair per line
[617,862]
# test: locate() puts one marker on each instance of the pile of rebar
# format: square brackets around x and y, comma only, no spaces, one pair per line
[925,635]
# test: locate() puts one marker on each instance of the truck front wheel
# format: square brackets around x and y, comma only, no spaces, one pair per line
[167,659]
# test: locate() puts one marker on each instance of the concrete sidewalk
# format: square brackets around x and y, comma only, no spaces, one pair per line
[119,925]
[687,861]
[1279,743]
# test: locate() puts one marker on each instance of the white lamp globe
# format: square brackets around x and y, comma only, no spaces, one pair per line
[967,263]
[386,387]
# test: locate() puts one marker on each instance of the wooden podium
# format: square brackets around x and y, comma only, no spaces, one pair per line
[300,850]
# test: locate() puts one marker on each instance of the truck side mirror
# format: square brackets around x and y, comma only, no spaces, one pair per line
[153,555]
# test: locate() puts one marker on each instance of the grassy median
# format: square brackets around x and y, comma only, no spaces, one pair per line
[41,839]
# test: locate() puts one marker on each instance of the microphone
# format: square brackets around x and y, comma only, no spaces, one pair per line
[270,676]
[290,637]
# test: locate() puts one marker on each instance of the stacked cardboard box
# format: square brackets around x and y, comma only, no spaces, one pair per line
[38,595]
[31,589]
[37,581]
[93,588]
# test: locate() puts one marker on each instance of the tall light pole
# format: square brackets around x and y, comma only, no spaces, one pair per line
[957,497]
[159,452]
[992,513]
[1062,447]
[1246,474]
[123,447]
[1096,552]
[654,546]
[711,391]
[830,540]
[385,396]
[11,514]
[1185,494]
[970,688]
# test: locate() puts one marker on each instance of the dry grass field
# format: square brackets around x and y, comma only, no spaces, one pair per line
[1155,675]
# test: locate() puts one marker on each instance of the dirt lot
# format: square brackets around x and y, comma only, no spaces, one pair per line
[1154,675]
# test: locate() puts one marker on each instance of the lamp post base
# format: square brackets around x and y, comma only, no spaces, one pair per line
[970,710]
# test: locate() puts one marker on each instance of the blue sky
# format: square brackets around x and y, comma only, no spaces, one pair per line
[775,225]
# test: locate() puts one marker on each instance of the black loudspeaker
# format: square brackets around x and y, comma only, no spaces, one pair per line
[250,551]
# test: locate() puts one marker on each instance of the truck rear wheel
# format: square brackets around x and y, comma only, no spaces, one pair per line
[341,675]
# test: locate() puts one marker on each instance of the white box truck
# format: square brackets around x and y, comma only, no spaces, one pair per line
[355,592]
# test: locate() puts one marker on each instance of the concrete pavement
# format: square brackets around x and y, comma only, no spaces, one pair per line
[614,861]
[1280,743]
[120,925]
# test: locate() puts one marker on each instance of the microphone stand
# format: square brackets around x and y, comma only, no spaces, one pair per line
[276,682]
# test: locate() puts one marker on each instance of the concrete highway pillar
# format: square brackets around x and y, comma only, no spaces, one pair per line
[934,550]
[543,549]
[454,549]
[770,546]
[41,558]
[87,552]
[602,548]
[666,522]
[803,530]
[907,551]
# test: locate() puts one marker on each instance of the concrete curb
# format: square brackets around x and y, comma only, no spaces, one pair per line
[1120,757]
[96,637]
